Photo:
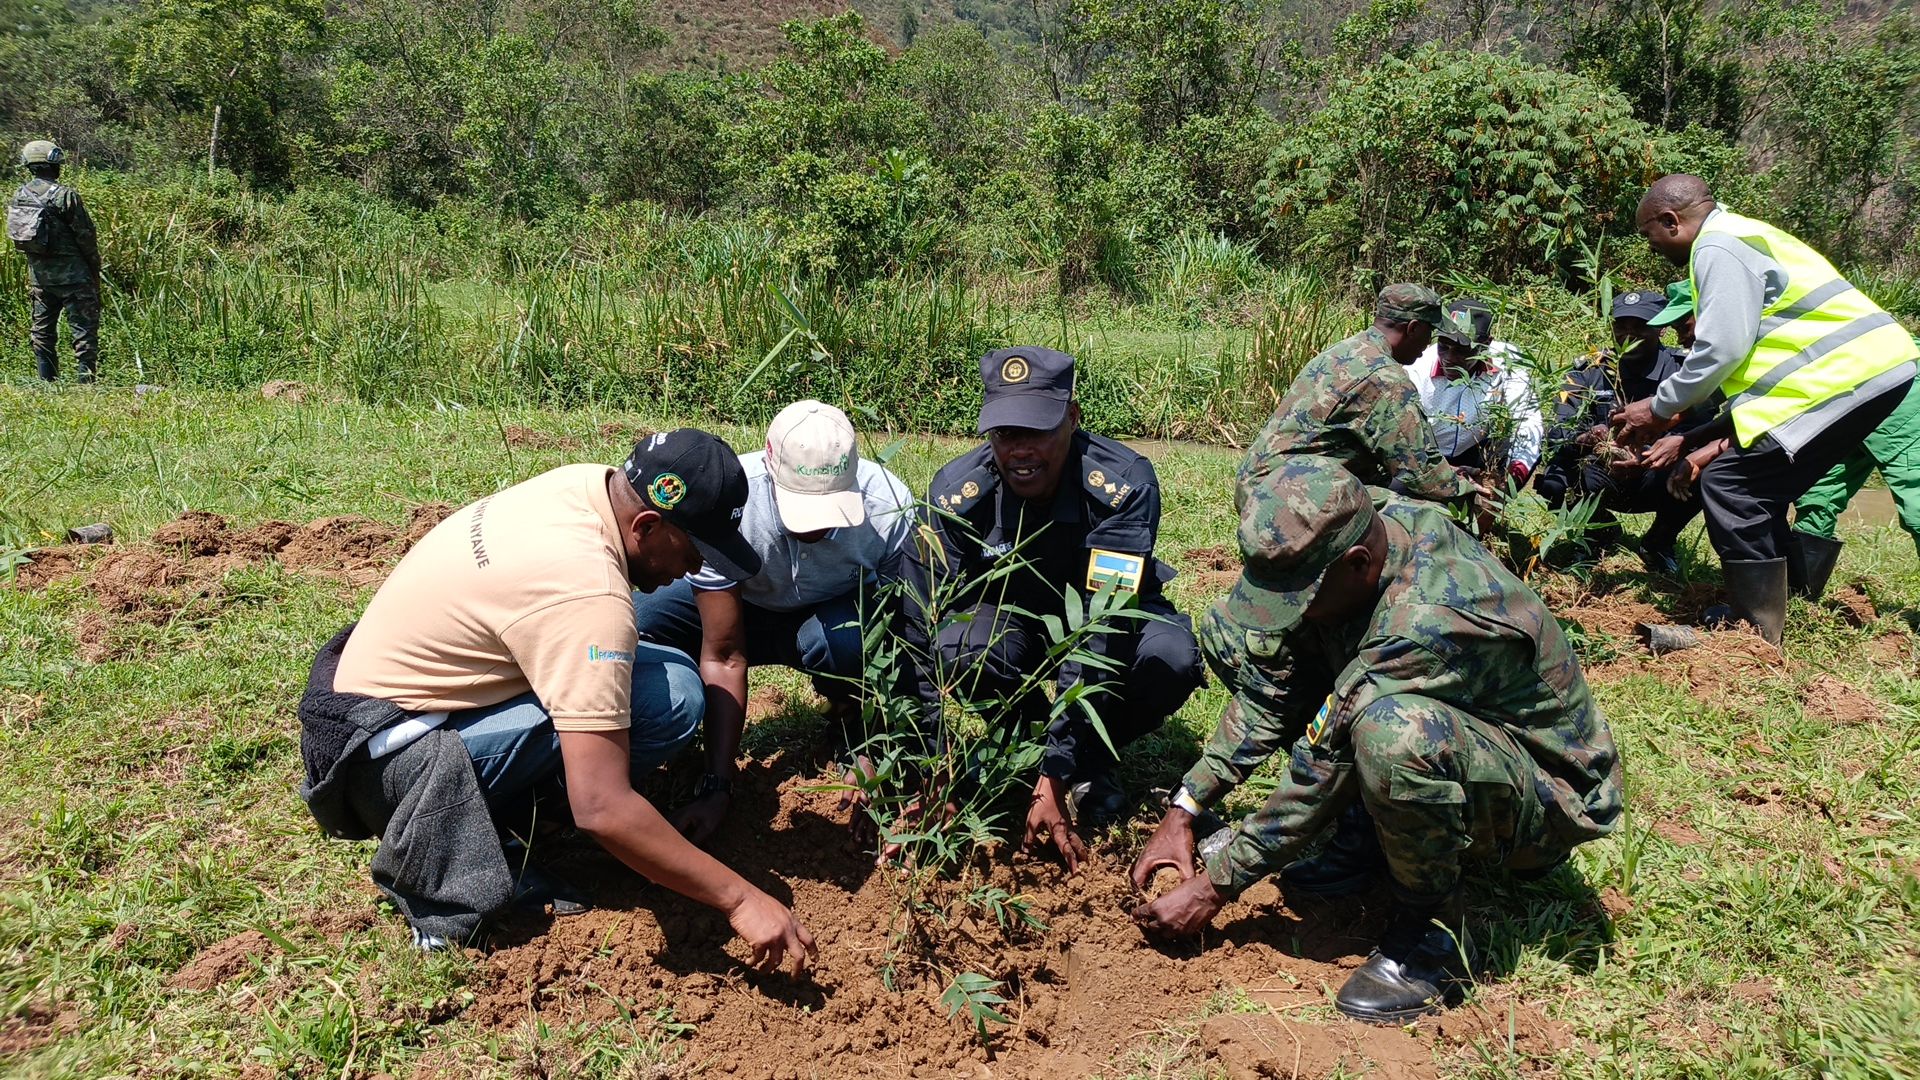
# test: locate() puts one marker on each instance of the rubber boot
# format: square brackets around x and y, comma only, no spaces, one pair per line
[1810,563]
[1418,967]
[1757,594]
[1348,862]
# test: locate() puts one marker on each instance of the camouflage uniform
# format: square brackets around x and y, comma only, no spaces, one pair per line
[64,279]
[1354,403]
[1453,709]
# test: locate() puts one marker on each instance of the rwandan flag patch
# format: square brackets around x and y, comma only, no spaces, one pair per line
[1121,571]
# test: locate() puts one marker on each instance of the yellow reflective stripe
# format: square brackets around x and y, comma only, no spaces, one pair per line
[1806,305]
[1780,371]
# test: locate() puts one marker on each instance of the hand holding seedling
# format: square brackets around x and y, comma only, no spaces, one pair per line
[1170,846]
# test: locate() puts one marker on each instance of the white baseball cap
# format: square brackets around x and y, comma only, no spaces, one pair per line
[814,460]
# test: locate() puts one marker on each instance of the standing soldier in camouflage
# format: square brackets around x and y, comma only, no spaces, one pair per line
[1355,403]
[1435,713]
[47,221]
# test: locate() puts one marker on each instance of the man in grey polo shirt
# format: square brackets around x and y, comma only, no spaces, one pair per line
[827,526]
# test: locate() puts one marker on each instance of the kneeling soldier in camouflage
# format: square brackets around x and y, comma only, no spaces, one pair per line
[1435,712]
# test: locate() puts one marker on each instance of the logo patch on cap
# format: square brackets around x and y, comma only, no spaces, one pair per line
[1015,370]
[1633,298]
[667,490]
[1096,478]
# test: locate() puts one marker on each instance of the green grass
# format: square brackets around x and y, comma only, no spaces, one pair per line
[1768,913]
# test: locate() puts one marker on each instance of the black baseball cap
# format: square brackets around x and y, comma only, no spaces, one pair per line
[695,481]
[1475,315]
[1640,304]
[1026,387]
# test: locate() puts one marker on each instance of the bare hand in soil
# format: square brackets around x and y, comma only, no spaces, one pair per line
[773,932]
[907,822]
[1487,504]
[698,819]
[1047,823]
[1664,452]
[1183,912]
[1170,848]
[1591,437]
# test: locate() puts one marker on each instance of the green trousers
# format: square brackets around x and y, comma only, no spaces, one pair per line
[1447,790]
[1894,449]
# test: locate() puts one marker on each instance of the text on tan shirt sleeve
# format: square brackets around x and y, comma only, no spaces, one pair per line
[577,655]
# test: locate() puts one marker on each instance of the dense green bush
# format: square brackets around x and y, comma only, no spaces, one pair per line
[1455,160]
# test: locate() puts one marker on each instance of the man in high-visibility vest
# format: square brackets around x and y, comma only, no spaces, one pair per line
[1810,367]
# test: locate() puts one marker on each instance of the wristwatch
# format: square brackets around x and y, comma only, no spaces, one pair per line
[1184,799]
[711,783]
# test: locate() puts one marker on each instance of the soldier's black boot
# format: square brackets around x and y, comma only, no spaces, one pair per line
[1810,563]
[1757,594]
[1417,969]
[1348,862]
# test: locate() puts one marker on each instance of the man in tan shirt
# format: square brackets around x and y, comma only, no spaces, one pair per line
[510,626]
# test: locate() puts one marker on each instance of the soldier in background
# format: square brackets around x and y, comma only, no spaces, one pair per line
[49,224]
[1438,722]
[1355,403]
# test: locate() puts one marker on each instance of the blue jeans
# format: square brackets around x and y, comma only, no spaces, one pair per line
[823,641]
[514,746]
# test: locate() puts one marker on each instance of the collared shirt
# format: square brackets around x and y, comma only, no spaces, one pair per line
[795,575]
[1458,407]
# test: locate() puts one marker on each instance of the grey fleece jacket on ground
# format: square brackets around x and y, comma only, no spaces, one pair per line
[1735,282]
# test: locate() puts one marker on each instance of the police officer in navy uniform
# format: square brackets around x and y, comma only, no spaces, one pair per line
[1586,462]
[1068,509]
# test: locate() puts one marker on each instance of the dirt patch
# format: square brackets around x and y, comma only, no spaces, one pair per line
[1854,604]
[1081,990]
[1615,904]
[1271,1047]
[285,390]
[48,565]
[1832,699]
[528,439]
[1678,832]
[1497,1023]
[188,559]
[1758,992]
[36,1027]
[222,961]
[1214,568]
[1729,668]
[355,549]
[626,433]
[422,518]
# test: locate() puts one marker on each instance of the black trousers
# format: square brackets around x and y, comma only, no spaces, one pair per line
[1159,665]
[1571,475]
[1746,492]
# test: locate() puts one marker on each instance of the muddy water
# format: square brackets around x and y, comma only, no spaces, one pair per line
[1871,507]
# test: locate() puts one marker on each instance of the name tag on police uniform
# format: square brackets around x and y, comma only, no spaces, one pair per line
[1113,568]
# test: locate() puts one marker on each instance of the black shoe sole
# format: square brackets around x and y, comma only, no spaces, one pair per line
[1391,1017]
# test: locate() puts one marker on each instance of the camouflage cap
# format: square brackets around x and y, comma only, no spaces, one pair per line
[41,152]
[1408,303]
[1303,515]
[1679,304]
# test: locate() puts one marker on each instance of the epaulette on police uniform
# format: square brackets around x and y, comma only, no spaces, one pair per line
[1109,476]
[964,492]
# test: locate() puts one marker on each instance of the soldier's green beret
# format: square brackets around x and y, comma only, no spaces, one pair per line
[1409,303]
[1303,515]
